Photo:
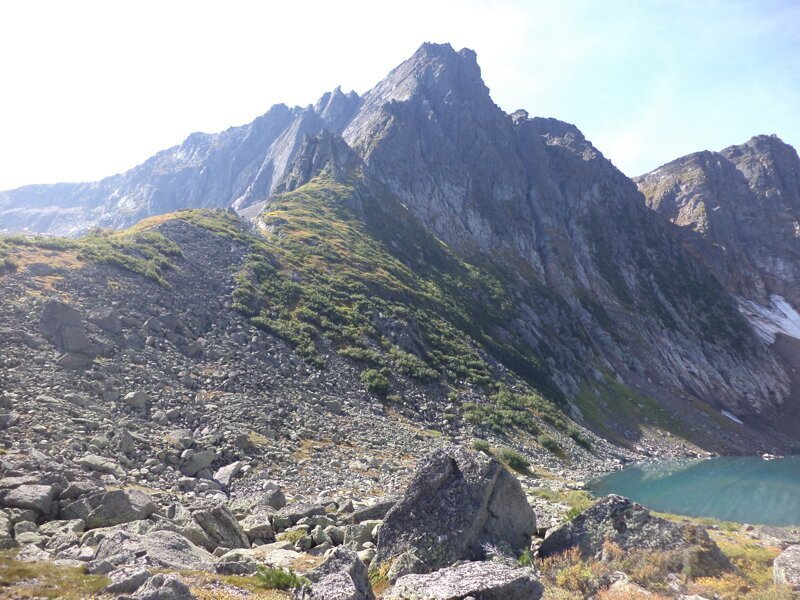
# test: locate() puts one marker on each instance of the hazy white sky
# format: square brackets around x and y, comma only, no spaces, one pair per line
[91,88]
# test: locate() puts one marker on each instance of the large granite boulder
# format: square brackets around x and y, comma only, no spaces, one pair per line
[342,576]
[106,509]
[786,568]
[458,501]
[631,527]
[163,587]
[35,497]
[221,527]
[476,580]
[157,549]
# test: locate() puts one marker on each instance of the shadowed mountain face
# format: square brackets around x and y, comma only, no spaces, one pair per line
[587,295]
[738,212]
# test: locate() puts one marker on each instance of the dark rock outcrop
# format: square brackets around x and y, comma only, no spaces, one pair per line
[738,211]
[630,527]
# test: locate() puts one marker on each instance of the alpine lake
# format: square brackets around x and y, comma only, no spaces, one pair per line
[743,489]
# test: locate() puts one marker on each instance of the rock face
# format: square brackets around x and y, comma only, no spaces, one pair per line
[478,580]
[631,527]
[786,568]
[457,501]
[738,211]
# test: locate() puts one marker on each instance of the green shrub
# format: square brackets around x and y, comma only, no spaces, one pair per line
[580,439]
[7,264]
[411,365]
[572,513]
[548,443]
[292,535]
[279,579]
[366,355]
[513,459]
[526,558]
[376,381]
[481,446]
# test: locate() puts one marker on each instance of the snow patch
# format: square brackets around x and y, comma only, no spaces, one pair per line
[778,317]
[732,417]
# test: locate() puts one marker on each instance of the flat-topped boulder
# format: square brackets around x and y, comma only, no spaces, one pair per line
[476,580]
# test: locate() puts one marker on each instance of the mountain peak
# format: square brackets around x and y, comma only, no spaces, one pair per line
[433,71]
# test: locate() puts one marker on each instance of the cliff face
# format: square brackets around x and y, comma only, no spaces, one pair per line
[595,290]
[738,212]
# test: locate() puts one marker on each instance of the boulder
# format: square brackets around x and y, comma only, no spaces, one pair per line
[163,587]
[179,519]
[194,462]
[74,339]
[101,464]
[62,324]
[29,496]
[107,509]
[342,575]
[631,527]
[300,510]
[405,564]
[224,475]
[137,400]
[786,568]
[458,501]
[126,580]
[376,510]
[74,360]
[258,527]
[221,526]
[56,317]
[107,320]
[477,580]
[157,549]
[277,554]
[272,497]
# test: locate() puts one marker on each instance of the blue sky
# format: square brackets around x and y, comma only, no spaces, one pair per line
[90,88]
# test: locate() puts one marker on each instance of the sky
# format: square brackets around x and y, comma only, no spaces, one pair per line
[92,88]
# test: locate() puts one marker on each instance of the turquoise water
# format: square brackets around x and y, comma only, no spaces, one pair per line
[742,489]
